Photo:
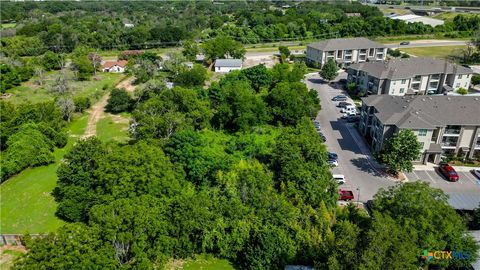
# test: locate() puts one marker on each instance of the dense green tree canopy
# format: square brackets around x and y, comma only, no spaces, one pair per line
[400,150]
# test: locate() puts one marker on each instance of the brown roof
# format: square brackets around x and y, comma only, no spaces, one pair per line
[120,63]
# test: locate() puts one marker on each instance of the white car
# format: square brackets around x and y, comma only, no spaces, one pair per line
[333,162]
[340,178]
[476,172]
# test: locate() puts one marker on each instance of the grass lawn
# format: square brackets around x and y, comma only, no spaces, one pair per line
[113,128]
[7,257]
[27,205]
[272,48]
[8,25]
[448,16]
[442,52]
[202,262]
[31,92]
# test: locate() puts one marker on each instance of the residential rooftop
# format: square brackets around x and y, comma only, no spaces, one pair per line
[405,68]
[228,62]
[345,44]
[425,112]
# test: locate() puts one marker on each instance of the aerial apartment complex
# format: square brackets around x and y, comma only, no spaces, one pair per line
[345,51]
[416,75]
[443,124]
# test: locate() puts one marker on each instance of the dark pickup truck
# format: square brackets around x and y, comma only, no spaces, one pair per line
[345,195]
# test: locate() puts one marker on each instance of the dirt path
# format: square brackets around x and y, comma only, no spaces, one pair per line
[97,110]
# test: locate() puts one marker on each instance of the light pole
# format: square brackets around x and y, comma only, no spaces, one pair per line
[358,195]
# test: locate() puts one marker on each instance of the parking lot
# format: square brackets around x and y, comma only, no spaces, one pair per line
[357,164]
[464,194]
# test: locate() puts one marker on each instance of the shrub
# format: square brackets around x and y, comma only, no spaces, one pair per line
[27,147]
[119,101]
[476,79]
[81,104]
[462,91]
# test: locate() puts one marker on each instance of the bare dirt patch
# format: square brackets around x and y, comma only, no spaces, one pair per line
[97,110]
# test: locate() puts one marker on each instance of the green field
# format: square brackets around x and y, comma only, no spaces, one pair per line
[31,92]
[201,262]
[448,16]
[442,52]
[113,128]
[27,205]
[8,25]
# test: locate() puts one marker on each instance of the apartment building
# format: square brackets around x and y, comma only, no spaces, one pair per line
[443,124]
[416,75]
[345,51]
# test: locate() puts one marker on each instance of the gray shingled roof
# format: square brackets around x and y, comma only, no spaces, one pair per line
[408,67]
[426,112]
[228,63]
[345,44]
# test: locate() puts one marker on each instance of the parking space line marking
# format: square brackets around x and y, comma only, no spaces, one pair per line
[467,174]
[431,178]
[416,176]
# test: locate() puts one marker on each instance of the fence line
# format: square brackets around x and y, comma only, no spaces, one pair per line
[16,239]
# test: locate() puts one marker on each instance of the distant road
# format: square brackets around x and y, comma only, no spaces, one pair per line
[427,43]
[413,44]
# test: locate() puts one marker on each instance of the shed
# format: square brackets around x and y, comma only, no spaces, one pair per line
[227,65]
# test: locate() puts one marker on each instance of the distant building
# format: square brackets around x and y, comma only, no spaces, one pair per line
[355,14]
[345,51]
[115,66]
[411,18]
[227,65]
[444,125]
[415,75]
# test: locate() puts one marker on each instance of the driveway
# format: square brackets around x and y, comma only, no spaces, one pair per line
[354,157]
[464,194]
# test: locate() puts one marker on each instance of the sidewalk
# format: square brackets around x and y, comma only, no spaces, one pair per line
[432,167]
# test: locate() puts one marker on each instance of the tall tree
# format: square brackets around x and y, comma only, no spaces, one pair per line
[223,47]
[400,150]
[329,70]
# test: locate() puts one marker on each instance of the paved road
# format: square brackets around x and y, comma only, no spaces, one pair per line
[343,139]
[413,44]
[428,43]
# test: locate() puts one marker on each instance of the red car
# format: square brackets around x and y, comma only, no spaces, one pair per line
[449,172]
[345,195]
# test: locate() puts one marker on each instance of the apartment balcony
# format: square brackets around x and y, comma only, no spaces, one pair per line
[449,144]
[451,132]
[477,146]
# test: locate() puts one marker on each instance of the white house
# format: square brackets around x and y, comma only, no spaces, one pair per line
[227,65]
[115,66]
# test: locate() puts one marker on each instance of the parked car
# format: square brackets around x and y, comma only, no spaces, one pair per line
[349,108]
[332,155]
[476,172]
[349,114]
[343,104]
[339,98]
[449,172]
[333,162]
[352,119]
[339,178]
[345,195]
[405,43]
[322,137]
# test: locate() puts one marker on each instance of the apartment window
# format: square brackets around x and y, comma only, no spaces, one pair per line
[458,85]
[417,78]
[348,52]
[415,86]
[460,76]
[370,53]
[402,90]
[422,132]
[404,81]
[435,76]
[433,85]
[394,82]
[339,54]
[363,51]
